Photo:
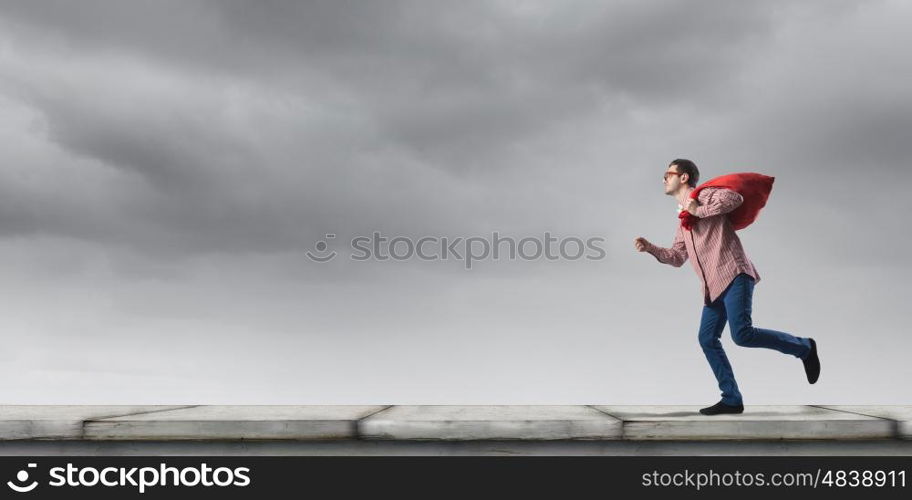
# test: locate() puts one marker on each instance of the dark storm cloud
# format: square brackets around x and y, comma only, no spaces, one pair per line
[263,126]
[624,46]
[453,81]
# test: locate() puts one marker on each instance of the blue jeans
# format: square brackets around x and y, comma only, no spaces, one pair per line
[735,305]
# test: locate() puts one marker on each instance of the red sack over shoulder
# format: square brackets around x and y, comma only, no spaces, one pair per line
[754,188]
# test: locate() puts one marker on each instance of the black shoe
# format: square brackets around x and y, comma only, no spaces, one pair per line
[812,363]
[721,407]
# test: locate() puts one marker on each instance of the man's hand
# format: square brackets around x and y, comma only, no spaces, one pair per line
[692,205]
[640,244]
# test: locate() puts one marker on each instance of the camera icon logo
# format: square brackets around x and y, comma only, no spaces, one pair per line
[21,477]
[321,247]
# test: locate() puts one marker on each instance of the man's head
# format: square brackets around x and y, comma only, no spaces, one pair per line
[680,174]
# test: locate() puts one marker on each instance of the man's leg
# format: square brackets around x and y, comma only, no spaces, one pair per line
[711,325]
[737,301]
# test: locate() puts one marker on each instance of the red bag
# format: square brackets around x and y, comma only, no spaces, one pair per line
[755,188]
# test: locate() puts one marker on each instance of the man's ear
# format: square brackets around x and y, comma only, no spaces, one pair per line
[684,178]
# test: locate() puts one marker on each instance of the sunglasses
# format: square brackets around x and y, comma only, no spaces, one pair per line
[665,177]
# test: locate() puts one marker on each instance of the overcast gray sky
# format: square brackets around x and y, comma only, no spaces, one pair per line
[168,165]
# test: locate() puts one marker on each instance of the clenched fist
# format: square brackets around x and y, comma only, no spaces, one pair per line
[692,205]
[641,244]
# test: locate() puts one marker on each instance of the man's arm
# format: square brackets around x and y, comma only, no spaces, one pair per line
[674,256]
[717,201]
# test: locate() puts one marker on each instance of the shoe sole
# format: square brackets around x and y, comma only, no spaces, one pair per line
[814,351]
[723,413]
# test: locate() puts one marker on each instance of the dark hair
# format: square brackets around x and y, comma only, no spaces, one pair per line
[687,167]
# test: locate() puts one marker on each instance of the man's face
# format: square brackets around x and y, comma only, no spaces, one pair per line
[672,179]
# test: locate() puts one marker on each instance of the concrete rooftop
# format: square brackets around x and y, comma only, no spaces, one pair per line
[436,429]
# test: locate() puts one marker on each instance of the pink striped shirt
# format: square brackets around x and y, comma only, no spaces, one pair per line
[713,247]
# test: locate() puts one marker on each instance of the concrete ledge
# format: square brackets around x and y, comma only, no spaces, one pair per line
[490,422]
[757,422]
[901,415]
[442,430]
[383,447]
[60,422]
[235,423]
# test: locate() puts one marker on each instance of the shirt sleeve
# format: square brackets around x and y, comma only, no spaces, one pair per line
[718,201]
[674,256]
